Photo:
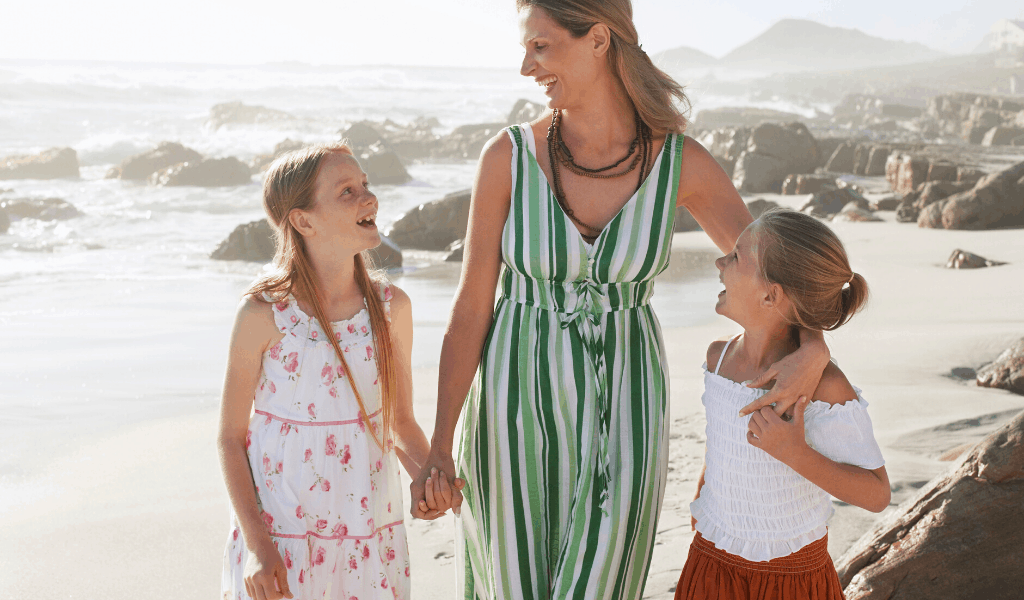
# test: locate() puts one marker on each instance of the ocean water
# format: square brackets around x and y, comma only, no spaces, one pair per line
[119,314]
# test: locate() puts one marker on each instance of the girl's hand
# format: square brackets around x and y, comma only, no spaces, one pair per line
[266,578]
[782,440]
[795,375]
[434,491]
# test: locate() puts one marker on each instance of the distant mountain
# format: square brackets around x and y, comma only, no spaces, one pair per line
[684,57]
[793,45]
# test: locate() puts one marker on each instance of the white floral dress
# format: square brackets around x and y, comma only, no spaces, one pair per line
[330,498]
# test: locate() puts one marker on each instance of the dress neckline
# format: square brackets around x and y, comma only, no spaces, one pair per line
[359,316]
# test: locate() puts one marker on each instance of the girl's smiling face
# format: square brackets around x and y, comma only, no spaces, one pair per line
[344,209]
[745,292]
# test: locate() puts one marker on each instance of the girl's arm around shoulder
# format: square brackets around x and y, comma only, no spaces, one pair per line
[707,192]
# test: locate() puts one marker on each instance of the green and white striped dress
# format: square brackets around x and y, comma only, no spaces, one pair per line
[564,442]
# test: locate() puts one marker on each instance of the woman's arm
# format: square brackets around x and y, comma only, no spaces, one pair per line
[253,333]
[796,375]
[708,193]
[473,307]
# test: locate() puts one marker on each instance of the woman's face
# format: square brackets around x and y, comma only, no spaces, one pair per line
[344,209]
[564,66]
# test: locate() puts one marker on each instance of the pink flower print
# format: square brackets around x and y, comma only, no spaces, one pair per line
[391,554]
[269,419]
[291,362]
[327,374]
[248,438]
[331,446]
[270,484]
[379,465]
[366,552]
[346,455]
[266,465]
[302,575]
[314,334]
[364,502]
[273,388]
[298,512]
[369,352]
[280,306]
[268,520]
[321,524]
[234,534]
[333,392]
[294,319]
[308,455]
[352,564]
[351,328]
[287,559]
[239,560]
[285,428]
[384,583]
[341,371]
[325,485]
[280,467]
[389,507]
[321,554]
[369,523]
[337,335]
[311,409]
[387,293]
[275,351]
[340,529]
[407,571]
[364,330]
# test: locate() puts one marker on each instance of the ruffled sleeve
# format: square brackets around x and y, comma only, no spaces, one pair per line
[843,433]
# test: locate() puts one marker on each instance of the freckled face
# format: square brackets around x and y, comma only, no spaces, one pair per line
[739,273]
[344,209]
[564,66]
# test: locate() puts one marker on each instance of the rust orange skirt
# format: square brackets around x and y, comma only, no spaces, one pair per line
[807,574]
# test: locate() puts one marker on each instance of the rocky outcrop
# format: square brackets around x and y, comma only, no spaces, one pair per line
[433,225]
[933,191]
[237,113]
[829,202]
[261,162]
[456,250]
[959,537]
[55,163]
[253,242]
[962,259]
[44,209]
[466,141]
[387,255]
[725,145]
[685,221]
[855,213]
[141,166]
[774,151]
[206,172]
[524,111]
[384,167]
[1001,136]
[885,204]
[968,116]
[806,184]
[746,116]
[995,201]
[1007,372]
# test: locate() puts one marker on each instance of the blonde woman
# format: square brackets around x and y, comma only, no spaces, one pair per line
[564,446]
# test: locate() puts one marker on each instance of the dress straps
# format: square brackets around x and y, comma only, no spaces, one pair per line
[724,350]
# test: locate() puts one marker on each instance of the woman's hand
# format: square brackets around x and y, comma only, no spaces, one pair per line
[795,375]
[781,439]
[266,578]
[436,490]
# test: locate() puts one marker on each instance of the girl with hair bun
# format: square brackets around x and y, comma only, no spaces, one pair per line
[763,497]
[320,349]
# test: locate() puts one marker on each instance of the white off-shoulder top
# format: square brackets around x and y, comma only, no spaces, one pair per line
[755,506]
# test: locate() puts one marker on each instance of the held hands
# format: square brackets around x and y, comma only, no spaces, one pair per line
[266,577]
[795,375]
[432,492]
[781,439]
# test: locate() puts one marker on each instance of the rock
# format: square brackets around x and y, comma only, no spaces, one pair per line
[907,212]
[876,161]
[774,151]
[860,158]
[387,255]
[830,202]
[995,201]
[455,251]
[433,225]
[807,184]
[842,159]
[253,242]
[466,141]
[1007,373]
[524,111]
[236,113]
[885,204]
[1017,141]
[910,172]
[44,209]
[930,216]
[827,147]
[261,162]
[962,259]
[933,191]
[854,213]
[5,221]
[900,111]
[141,166]
[384,167]
[759,206]
[1001,136]
[746,116]
[969,175]
[979,122]
[207,172]
[959,537]
[685,221]
[360,136]
[55,163]
[725,145]
[941,171]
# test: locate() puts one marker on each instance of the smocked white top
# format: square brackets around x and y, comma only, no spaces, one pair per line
[755,506]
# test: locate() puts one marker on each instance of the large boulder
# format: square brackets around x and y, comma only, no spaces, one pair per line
[206,172]
[1007,372]
[774,151]
[1001,136]
[261,162]
[141,166]
[855,213]
[384,167]
[942,171]
[829,202]
[237,113]
[525,111]
[962,259]
[996,201]
[905,172]
[387,255]
[842,159]
[55,163]
[253,242]
[725,145]
[466,141]
[685,221]
[933,191]
[960,537]
[44,209]
[876,160]
[807,184]
[433,225]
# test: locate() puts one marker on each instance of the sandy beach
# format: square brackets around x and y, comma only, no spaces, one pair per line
[130,506]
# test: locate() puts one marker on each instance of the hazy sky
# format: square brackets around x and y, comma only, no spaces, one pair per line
[438,32]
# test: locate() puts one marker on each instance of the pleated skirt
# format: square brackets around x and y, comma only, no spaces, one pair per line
[710,573]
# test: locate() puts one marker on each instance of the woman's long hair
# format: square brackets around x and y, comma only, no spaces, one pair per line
[653,92]
[290,185]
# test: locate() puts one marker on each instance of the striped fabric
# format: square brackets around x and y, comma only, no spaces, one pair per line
[564,442]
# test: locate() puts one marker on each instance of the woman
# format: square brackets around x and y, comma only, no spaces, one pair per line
[564,446]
